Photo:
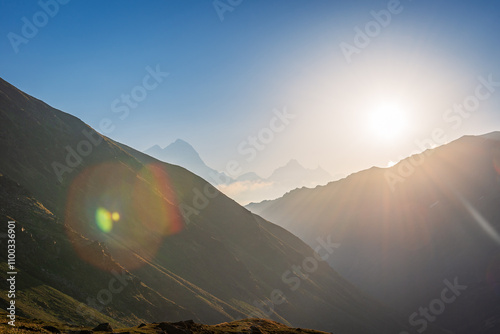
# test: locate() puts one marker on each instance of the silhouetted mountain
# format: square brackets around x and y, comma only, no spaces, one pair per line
[294,175]
[183,154]
[250,176]
[409,231]
[107,232]
[246,187]
[252,188]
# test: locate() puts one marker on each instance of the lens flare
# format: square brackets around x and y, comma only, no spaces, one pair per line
[115,216]
[128,210]
[487,227]
[103,219]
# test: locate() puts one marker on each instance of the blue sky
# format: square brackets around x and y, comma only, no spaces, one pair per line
[226,77]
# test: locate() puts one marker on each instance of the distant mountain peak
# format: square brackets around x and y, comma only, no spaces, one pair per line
[181,153]
[294,163]
[181,142]
[296,166]
[155,147]
[178,143]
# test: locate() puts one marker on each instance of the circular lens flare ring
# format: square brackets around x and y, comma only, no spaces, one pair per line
[129,210]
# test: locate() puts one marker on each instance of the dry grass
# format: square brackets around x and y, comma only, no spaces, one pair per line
[254,326]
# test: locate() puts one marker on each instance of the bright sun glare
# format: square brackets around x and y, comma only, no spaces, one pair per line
[388,121]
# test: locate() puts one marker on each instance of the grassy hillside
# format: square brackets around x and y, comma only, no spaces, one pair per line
[251,326]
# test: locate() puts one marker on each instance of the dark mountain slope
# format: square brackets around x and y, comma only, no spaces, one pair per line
[52,278]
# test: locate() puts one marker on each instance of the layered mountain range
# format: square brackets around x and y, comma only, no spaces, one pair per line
[247,187]
[105,233]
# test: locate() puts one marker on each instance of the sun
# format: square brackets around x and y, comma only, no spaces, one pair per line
[388,121]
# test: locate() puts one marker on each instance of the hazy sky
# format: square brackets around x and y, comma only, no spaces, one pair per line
[231,66]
